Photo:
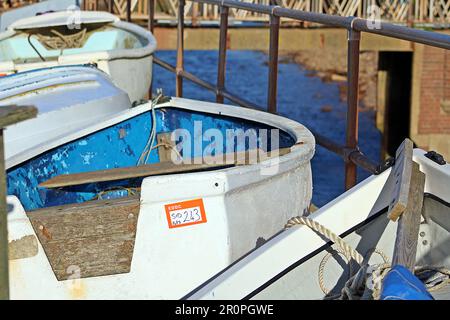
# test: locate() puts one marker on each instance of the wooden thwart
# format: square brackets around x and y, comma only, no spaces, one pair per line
[155,169]
[96,237]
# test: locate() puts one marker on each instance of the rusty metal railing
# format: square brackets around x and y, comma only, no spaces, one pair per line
[350,151]
[430,12]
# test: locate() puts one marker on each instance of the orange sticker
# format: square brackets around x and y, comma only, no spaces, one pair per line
[185,213]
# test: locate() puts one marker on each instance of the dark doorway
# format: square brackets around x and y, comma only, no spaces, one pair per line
[398,67]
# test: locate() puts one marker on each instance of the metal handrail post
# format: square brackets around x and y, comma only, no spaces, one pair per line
[129,10]
[111,6]
[354,38]
[222,53]
[151,27]
[273,63]
[180,49]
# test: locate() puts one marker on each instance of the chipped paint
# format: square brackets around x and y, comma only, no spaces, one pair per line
[25,247]
[111,148]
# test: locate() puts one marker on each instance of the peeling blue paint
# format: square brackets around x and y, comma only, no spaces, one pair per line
[106,149]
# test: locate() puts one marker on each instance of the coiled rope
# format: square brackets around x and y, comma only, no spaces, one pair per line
[61,41]
[367,282]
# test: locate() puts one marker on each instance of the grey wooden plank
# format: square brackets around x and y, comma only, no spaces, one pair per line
[97,237]
[409,222]
[65,180]
[401,176]
[8,115]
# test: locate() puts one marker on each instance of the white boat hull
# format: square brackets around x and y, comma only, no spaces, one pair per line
[244,205]
[68,99]
[129,67]
[287,267]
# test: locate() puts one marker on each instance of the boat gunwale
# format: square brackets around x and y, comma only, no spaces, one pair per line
[303,147]
[37,80]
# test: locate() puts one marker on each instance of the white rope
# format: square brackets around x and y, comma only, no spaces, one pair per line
[169,146]
[367,282]
[323,263]
[143,158]
[322,230]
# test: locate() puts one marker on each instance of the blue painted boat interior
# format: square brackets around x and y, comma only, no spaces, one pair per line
[18,49]
[121,145]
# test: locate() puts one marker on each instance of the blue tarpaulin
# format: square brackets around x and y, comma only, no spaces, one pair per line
[401,284]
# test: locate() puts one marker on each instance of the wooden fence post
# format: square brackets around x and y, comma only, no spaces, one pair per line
[8,115]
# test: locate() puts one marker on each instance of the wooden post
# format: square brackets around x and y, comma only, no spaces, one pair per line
[8,116]
[409,222]
[406,204]
[4,278]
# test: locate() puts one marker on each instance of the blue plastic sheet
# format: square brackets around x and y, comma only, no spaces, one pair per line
[401,284]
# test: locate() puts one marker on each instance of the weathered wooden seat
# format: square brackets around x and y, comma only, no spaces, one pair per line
[93,238]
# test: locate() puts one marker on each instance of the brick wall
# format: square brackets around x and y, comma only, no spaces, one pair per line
[434,115]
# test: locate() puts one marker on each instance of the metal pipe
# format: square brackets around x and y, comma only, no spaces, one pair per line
[358,24]
[129,10]
[151,16]
[225,93]
[273,64]
[151,27]
[4,262]
[362,161]
[433,39]
[222,53]
[350,151]
[180,49]
[111,6]
[322,18]
[189,76]
[353,41]
[353,155]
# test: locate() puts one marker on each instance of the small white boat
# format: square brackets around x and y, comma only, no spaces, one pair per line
[302,263]
[12,15]
[121,49]
[104,228]
[68,99]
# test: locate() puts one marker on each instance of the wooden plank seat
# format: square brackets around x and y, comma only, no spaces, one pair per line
[93,238]
[239,158]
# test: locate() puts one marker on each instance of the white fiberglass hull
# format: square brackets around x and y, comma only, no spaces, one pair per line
[244,205]
[121,49]
[67,98]
[288,266]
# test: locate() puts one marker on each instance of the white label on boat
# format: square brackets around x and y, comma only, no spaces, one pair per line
[186,213]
